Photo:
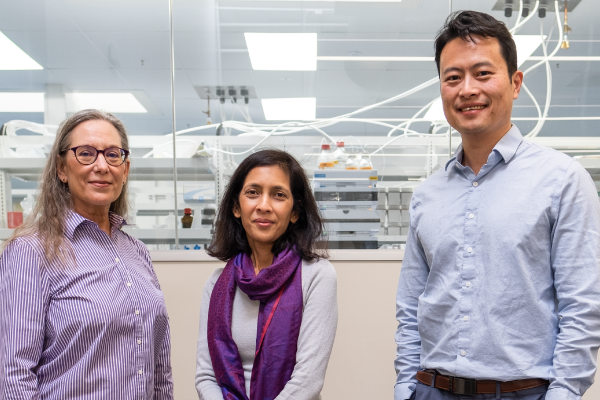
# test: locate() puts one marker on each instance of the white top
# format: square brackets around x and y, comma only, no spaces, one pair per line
[315,341]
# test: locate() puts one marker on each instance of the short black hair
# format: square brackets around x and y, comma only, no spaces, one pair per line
[464,24]
[230,239]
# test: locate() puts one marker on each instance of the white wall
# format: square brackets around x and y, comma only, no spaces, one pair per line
[361,366]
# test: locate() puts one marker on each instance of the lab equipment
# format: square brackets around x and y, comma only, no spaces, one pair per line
[339,156]
[348,202]
[187,219]
[351,163]
[325,159]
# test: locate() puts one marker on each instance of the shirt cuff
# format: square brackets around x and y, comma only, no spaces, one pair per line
[403,391]
[560,394]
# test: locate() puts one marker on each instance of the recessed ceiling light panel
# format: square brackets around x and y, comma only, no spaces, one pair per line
[21,102]
[354,1]
[13,58]
[436,111]
[111,102]
[282,51]
[290,109]
[526,45]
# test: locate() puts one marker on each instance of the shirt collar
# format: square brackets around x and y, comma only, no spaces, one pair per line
[73,221]
[506,147]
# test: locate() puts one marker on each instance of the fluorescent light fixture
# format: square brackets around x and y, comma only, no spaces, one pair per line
[566,58]
[282,51]
[355,1]
[431,59]
[526,45]
[289,109]
[13,58]
[111,102]
[377,58]
[21,102]
[436,111]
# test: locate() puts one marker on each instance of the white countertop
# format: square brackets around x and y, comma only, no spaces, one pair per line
[165,256]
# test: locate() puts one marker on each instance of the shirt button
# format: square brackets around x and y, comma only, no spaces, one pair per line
[140,372]
[137,312]
[139,341]
[475,184]
[462,353]
[128,283]
[466,318]
[470,249]
[471,216]
[468,284]
[116,259]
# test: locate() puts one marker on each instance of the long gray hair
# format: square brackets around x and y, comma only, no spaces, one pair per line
[47,219]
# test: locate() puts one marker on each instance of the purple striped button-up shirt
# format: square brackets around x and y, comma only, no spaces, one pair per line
[94,329]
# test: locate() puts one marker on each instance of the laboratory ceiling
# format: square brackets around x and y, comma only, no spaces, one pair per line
[124,45]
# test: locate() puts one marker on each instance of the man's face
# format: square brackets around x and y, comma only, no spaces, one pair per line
[477,92]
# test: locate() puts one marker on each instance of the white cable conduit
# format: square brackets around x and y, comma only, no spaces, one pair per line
[253,129]
[300,126]
[519,15]
[542,121]
[519,25]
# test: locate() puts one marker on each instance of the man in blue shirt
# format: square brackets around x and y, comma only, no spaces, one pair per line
[499,293]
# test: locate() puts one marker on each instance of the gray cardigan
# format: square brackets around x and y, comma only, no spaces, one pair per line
[315,341]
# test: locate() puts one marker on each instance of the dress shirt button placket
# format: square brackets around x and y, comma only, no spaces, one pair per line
[468,273]
[138,321]
[129,282]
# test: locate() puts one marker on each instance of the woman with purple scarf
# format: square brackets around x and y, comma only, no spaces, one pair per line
[268,319]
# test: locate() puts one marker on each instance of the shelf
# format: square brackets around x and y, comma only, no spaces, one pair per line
[154,236]
[392,239]
[142,169]
[167,236]
[352,238]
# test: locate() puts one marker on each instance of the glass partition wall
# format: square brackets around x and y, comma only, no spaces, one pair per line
[350,88]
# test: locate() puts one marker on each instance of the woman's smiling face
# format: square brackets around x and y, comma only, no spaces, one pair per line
[95,186]
[265,205]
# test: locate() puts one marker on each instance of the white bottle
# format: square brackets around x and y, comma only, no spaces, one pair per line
[170,220]
[365,163]
[325,159]
[339,156]
[351,163]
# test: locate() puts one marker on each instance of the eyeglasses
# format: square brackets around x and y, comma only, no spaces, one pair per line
[88,155]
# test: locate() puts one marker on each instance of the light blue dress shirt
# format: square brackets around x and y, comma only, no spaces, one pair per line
[501,274]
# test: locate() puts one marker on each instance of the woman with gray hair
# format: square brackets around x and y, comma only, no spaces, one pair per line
[81,312]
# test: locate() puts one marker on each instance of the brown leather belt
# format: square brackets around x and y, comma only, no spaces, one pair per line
[471,387]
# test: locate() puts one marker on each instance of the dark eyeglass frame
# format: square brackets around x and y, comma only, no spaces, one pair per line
[122,151]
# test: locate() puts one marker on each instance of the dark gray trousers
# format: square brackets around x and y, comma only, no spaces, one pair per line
[424,392]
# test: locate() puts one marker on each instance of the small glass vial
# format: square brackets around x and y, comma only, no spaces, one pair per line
[187,219]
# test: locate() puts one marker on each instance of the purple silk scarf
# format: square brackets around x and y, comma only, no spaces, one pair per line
[276,358]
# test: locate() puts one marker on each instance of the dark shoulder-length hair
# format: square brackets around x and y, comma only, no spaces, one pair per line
[230,239]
